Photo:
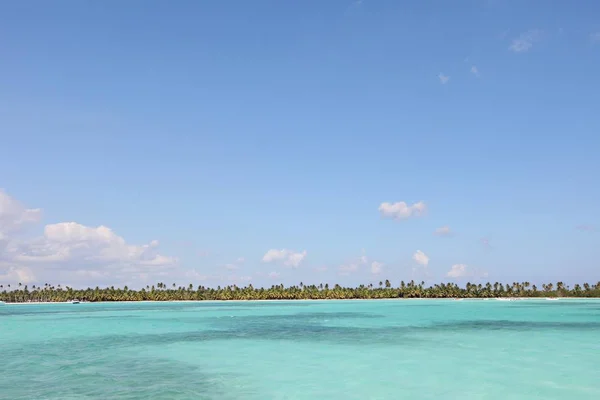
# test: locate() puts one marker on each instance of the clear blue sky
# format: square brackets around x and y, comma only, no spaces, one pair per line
[224,129]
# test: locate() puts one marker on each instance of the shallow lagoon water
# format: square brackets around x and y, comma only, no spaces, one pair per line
[389,349]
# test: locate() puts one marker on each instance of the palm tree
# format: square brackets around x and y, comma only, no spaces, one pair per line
[234,292]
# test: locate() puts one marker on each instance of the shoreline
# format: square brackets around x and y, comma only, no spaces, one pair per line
[307,300]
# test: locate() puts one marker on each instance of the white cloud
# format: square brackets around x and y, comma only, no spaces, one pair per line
[274,274]
[421,258]
[14,216]
[240,279]
[18,275]
[295,259]
[289,258]
[347,269]
[457,271]
[401,210]
[443,78]
[525,41]
[376,267]
[363,259]
[70,242]
[196,275]
[356,263]
[234,265]
[463,271]
[67,247]
[443,231]
[92,274]
[421,271]
[215,279]
[475,70]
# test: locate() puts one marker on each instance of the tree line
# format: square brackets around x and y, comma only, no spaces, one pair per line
[163,292]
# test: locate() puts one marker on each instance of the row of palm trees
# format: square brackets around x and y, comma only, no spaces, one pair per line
[163,292]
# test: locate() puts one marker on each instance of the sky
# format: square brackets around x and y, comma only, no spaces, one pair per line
[268,142]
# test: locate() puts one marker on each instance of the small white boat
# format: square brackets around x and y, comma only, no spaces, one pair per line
[74,301]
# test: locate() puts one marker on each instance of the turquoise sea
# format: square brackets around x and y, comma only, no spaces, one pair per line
[390,349]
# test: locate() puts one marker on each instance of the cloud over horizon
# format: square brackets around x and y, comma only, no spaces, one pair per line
[289,258]
[458,271]
[376,267]
[83,251]
[421,258]
[14,216]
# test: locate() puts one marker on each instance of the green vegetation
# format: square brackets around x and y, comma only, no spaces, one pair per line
[161,292]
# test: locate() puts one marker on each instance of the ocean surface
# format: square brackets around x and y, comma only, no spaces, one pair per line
[390,349]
